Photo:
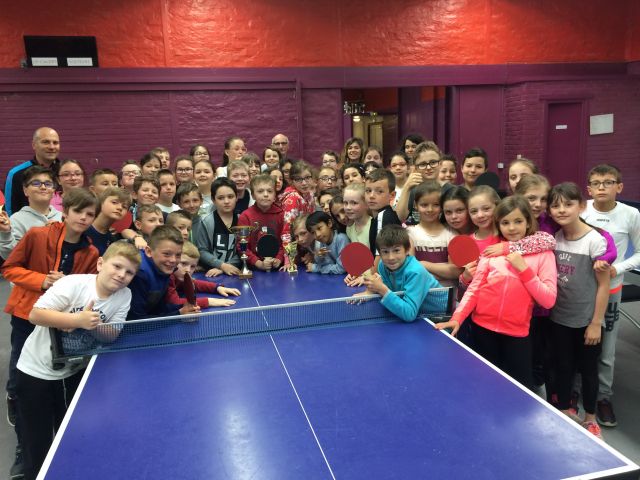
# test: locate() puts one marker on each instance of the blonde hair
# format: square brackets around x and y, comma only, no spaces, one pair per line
[123,248]
[531,181]
[298,222]
[354,187]
[190,250]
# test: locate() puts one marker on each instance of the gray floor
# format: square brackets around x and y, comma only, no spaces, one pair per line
[625,437]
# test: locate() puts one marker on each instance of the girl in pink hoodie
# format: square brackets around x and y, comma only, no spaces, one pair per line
[502,294]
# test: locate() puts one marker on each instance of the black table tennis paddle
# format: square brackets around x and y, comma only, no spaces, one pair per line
[268,246]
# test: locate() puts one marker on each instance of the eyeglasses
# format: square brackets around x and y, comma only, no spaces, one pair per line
[606,183]
[327,178]
[184,170]
[280,144]
[71,174]
[38,184]
[431,164]
[302,179]
[133,173]
[201,154]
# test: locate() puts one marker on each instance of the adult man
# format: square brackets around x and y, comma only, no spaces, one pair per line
[281,142]
[46,147]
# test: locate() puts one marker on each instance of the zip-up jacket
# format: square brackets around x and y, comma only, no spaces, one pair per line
[38,253]
[501,299]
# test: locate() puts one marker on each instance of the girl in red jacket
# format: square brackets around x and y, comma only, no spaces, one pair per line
[502,294]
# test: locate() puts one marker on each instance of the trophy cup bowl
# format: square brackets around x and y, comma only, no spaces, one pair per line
[243,232]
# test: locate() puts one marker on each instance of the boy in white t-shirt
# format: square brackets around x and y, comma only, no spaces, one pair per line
[623,223]
[76,304]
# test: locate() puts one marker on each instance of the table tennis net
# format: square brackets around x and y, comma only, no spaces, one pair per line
[225,323]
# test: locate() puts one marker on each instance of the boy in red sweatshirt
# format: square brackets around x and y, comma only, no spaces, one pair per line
[267,217]
[187,264]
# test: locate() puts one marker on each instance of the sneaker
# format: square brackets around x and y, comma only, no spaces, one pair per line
[593,428]
[11,410]
[17,469]
[605,415]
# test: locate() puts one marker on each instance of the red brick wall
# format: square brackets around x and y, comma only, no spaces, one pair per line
[257,33]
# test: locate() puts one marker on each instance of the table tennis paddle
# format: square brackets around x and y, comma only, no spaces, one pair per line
[123,223]
[489,179]
[189,289]
[357,259]
[268,246]
[462,250]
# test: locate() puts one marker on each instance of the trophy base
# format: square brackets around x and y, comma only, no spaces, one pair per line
[245,275]
[292,272]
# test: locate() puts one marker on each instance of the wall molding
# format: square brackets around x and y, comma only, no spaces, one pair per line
[173,79]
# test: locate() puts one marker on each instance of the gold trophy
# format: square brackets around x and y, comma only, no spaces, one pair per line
[291,249]
[243,232]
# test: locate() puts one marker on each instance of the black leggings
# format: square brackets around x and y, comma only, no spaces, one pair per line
[42,405]
[571,355]
[510,354]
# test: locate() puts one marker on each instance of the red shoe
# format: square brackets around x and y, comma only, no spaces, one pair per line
[593,428]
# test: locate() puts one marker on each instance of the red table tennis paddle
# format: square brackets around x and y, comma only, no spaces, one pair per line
[356,258]
[189,289]
[462,250]
[123,223]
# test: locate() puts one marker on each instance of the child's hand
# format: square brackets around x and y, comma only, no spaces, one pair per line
[375,284]
[413,179]
[452,324]
[87,318]
[221,302]
[359,300]
[229,269]
[352,281]
[214,272]
[225,292]
[5,223]
[470,270]
[140,243]
[267,263]
[187,308]
[51,278]
[307,258]
[276,263]
[310,267]
[322,251]
[601,266]
[496,250]
[592,334]
[516,261]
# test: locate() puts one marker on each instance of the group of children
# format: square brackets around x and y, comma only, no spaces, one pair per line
[539,298]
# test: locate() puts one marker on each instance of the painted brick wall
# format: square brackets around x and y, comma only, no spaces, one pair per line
[257,33]
[524,123]
[115,126]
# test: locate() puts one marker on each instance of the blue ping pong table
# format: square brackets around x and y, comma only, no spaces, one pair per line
[374,401]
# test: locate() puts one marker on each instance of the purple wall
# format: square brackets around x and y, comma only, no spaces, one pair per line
[524,123]
[115,126]
[115,114]
[477,121]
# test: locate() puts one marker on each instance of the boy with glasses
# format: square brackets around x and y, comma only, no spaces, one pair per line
[38,187]
[623,223]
